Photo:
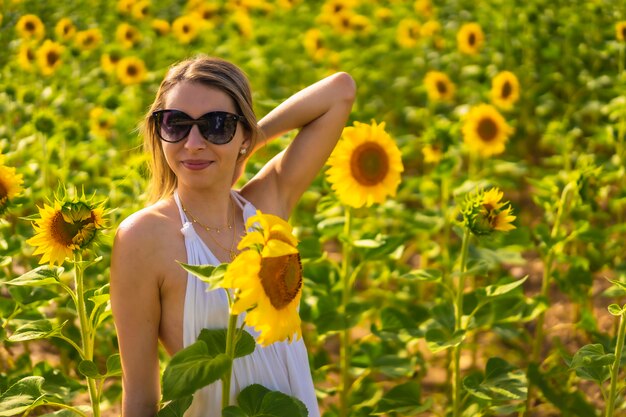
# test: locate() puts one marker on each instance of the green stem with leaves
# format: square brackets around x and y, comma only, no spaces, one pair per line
[619,347]
[344,353]
[231,335]
[458,326]
[86,331]
[545,289]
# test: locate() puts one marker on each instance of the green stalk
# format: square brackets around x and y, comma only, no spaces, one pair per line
[545,289]
[458,325]
[615,368]
[86,332]
[231,333]
[344,350]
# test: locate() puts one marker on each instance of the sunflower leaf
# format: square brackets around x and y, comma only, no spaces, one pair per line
[215,340]
[44,275]
[191,369]
[176,408]
[251,398]
[404,398]
[211,274]
[22,396]
[38,329]
[277,404]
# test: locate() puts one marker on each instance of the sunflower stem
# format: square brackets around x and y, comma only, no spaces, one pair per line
[458,325]
[344,352]
[610,406]
[231,333]
[85,330]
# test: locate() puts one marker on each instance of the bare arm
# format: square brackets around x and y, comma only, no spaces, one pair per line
[136,311]
[320,112]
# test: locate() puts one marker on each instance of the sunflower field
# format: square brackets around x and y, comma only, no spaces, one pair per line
[463,252]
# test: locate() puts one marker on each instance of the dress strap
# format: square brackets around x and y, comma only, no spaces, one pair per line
[183,217]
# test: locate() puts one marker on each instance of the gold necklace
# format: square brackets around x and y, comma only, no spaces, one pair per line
[231,251]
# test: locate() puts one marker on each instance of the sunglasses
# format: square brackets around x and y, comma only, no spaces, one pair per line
[218,127]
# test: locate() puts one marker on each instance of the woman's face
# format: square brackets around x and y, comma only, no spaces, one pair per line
[196,162]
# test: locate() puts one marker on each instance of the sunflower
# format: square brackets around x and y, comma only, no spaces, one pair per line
[67,226]
[365,166]
[314,44]
[423,7]
[131,70]
[383,13]
[161,27]
[408,33]
[267,279]
[26,56]
[505,90]
[110,59]
[438,86]
[620,31]
[125,6]
[207,11]
[10,185]
[243,23]
[432,154]
[127,35]
[101,122]
[140,10]
[430,28]
[331,8]
[49,57]
[485,130]
[185,29]
[470,38]
[30,26]
[484,213]
[64,29]
[89,39]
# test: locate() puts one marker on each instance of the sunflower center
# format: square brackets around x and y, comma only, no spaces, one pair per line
[66,29]
[30,55]
[89,40]
[369,163]
[471,39]
[185,29]
[132,71]
[507,89]
[29,26]
[129,36]
[281,278]
[4,192]
[52,57]
[442,88]
[624,32]
[63,232]
[487,130]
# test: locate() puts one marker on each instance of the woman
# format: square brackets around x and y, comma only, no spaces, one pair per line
[199,132]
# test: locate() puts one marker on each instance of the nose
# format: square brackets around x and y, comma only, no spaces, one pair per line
[195,139]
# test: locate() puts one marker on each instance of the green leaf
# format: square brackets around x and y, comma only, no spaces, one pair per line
[176,408]
[438,339]
[211,274]
[38,329]
[616,310]
[89,369]
[501,382]
[251,398]
[114,365]
[404,398]
[191,369]
[74,412]
[498,290]
[215,340]
[429,275]
[21,396]
[233,411]
[43,275]
[590,362]
[277,404]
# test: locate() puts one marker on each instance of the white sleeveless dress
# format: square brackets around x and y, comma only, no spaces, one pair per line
[280,366]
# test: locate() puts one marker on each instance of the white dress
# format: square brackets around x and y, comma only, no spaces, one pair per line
[280,366]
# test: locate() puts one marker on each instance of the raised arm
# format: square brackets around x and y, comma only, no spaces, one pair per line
[320,112]
[136,311]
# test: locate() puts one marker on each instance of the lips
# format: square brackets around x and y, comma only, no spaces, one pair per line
[196,164]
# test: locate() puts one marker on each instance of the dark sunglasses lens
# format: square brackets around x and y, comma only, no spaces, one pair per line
[174,125]
[218,127]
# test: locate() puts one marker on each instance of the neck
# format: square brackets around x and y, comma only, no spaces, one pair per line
[212,209]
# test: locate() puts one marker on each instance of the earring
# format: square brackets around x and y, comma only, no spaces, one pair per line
[243,151]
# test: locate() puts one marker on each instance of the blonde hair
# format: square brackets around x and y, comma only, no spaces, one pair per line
[212,72]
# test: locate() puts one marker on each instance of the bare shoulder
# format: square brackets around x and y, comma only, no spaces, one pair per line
[143,236]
